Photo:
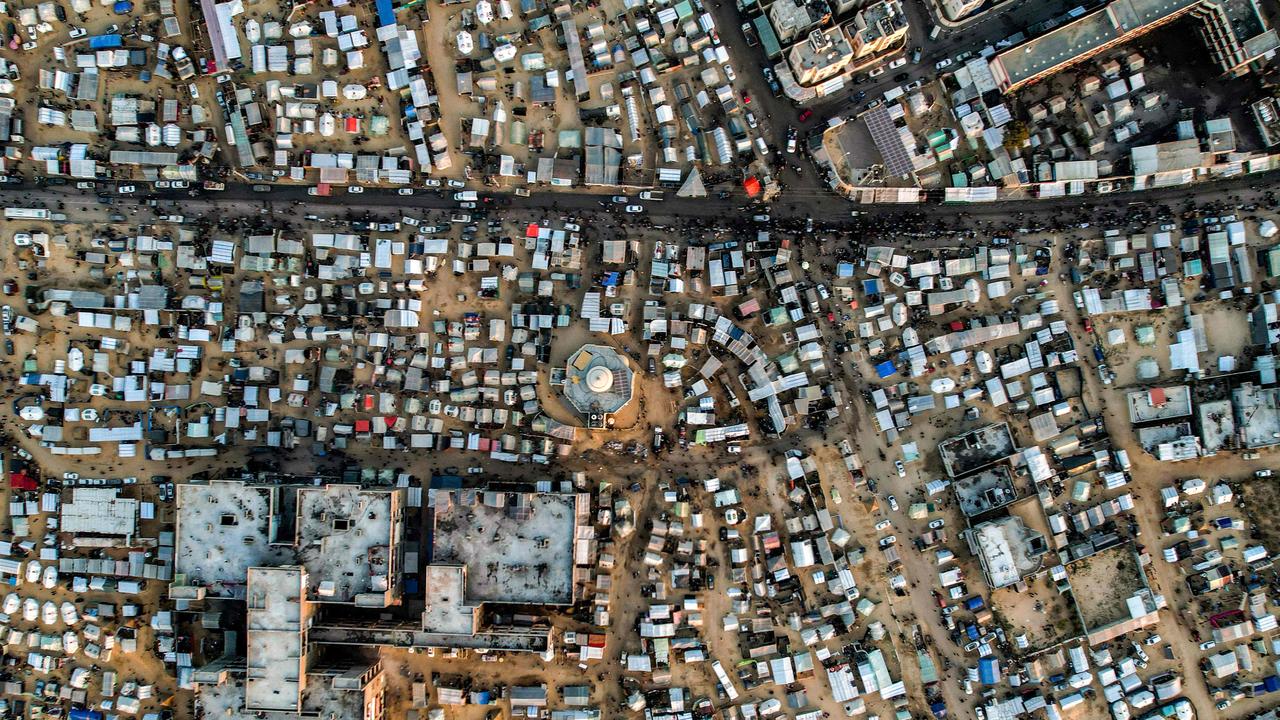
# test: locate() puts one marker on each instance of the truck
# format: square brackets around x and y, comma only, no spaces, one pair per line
[17,213]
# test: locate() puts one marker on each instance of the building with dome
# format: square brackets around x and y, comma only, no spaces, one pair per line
[598,382]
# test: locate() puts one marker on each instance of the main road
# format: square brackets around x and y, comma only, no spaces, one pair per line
[827,210]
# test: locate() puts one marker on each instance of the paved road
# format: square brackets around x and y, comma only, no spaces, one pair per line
[828,211]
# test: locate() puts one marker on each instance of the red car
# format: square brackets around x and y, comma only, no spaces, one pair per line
[746,99]
[805,115]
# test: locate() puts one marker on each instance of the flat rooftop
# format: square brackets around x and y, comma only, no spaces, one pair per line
[1083,37]
[1008,550]
[976,449]
[224,528]
[447,610]
[1257,415]
[275,655]
[985,491]
[1159,403]
[517,547]
[320,699]
[347,538]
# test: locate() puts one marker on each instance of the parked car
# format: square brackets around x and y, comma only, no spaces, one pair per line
[355,189]
[633,209]
[126,189]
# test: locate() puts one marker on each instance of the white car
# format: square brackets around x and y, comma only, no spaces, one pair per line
[355,189]
[893,503]
[126,189]
[405,191]
[621,199]
[77,32]
[943,63]
[86,185]
[898,63]
[635,209]
[432,183]
[734,448]
[937,524]
[22,239]
[69,614]
[195,91]
[72,475]
[887,541]
[163,184]
[884,524]
[900,468]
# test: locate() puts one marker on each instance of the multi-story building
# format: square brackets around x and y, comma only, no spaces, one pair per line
[792,19]
[956,9]
[878,27]
[823,55]
[1235,31]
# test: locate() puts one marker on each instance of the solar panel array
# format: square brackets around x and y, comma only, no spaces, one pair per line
[888,142]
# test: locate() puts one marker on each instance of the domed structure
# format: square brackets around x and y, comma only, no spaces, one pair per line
[598,381]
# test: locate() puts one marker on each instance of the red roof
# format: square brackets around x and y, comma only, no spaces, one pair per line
[22,481]
[1158,397]
[362,426]
[752,186]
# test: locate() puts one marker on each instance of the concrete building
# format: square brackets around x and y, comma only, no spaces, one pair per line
[347,538]
[791,19]
[957,9]
[1234,29]
[975,450]
[598,382]
[1007,549]
[878,27]
[1257,415]
[822,56]
[1159,404]
[1236,33]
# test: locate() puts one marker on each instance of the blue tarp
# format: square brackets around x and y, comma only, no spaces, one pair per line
[974,603]
[971,630]
[885,369]
[123,7]
[611,279]
[1271,684]
[988,671]
[386,13]
[844,270]
[871,287]
[105,42]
